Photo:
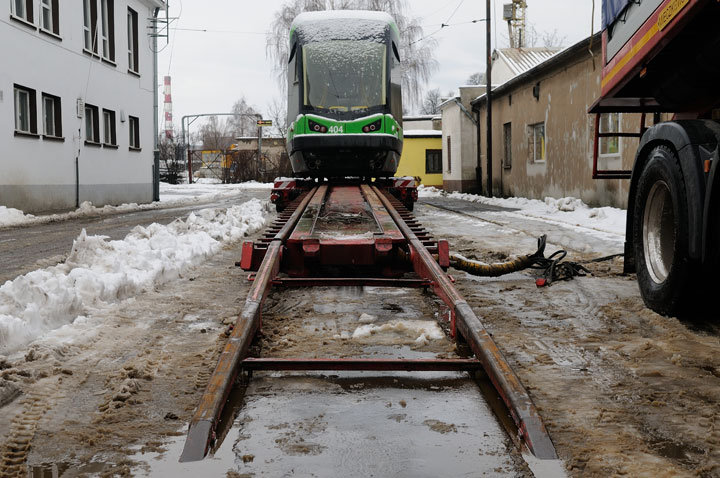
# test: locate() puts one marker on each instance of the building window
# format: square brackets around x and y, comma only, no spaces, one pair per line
[92,124]
[134,132]
[132,31]
[49,18]
[109,136]
[25,110]
[22,9]
[537,142]
[90,25]
[610,123]
[107,32]
[449,154]
[507,145]
[433,161]
[52,117]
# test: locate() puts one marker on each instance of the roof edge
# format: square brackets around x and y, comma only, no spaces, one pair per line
[553,62]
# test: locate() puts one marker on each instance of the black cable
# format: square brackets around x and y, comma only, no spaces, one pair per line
[554,269]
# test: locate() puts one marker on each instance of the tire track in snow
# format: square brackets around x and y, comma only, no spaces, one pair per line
[24,425]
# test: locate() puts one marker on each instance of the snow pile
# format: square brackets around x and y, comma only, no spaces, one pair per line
[420,330]
[170,195]
[13,217]
[99,271]
[567,210]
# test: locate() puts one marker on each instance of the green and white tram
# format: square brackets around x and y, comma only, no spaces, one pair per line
[344,95]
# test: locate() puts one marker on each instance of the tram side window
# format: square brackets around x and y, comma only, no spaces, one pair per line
[293,85]
[395,85]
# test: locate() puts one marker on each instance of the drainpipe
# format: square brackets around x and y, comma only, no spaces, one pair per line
[77,173]
[478,166]
[156,149]
[488,95]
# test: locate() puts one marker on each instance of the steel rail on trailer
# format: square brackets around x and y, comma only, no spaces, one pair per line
[388,240]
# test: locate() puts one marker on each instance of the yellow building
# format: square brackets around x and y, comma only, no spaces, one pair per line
[422,156]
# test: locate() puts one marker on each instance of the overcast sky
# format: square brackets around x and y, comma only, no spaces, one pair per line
[211,69]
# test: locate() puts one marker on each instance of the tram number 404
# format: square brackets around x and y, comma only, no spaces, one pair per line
[335,129]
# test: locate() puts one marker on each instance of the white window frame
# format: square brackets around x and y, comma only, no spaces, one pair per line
[134,122]
[109,128]
[104,30]
[23,15]
[48,107]
[87,26]
[18,92]
[46,6]
[133,50]
[534,128]
[604,142]
[91,119]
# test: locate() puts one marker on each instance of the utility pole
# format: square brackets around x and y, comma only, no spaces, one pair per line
[156,146]
[488,95]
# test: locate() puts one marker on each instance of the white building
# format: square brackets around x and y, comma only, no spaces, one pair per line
[77,119]
[459,140]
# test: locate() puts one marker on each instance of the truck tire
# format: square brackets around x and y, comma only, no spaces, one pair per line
[660,234]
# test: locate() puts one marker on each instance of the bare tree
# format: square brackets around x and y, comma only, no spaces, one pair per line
[431,102]
[245,125]
[553,39]
[545,38]
[172,160]
[476,78]
[277,112]
[216,134]
[416,51]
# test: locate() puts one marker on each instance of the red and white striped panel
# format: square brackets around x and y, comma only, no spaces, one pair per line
[404,182]
[284,184]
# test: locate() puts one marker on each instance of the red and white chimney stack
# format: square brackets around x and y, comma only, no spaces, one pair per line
[167,109]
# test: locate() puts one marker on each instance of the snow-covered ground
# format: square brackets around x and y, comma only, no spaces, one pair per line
[568,211]
[171,195]
[99,271]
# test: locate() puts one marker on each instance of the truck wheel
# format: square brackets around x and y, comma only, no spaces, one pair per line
[660,240]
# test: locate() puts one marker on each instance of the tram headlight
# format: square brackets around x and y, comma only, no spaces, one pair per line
[372,127]
[317,127]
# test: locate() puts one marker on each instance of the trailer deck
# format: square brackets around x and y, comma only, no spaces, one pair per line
[356,234]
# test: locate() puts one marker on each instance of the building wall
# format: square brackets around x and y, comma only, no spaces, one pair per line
[39,174]
[566,93]
[271,147]
[418,122]
[501,72]
[412,161]
[459,145]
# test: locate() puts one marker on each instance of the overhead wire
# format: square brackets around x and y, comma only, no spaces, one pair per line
[172,47]
[209,30]
[445,24]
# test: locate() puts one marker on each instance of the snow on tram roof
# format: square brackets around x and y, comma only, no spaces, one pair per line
[333,24]
[343,15]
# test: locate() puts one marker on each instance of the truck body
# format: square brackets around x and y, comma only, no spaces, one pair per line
[663,56]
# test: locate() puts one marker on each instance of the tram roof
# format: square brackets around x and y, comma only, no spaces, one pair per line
[342,25]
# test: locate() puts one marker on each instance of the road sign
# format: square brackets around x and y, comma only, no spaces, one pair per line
[264,122]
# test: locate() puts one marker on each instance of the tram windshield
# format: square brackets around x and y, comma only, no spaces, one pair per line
[344,75]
